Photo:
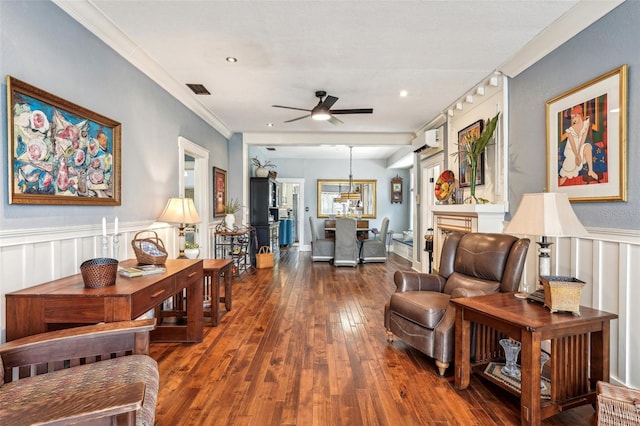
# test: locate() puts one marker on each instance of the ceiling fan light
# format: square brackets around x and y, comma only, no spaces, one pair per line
[320,116]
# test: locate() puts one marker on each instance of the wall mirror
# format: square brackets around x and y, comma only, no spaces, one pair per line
[335,199]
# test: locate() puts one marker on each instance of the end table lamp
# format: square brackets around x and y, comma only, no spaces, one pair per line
[180,211]
[546,214]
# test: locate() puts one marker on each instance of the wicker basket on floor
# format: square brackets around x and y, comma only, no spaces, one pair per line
[617,405]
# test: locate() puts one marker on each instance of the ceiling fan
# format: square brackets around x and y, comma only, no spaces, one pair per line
[323,111]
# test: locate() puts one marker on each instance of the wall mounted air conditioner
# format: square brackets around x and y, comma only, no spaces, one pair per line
[430,142]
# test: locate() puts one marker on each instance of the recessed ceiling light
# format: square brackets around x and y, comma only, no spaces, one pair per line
[231,59]
[269,124]
[404,93]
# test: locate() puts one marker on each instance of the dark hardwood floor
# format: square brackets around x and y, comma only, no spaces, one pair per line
[305,345]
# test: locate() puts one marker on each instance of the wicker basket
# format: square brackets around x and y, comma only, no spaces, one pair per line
[150,250]
[617,405]
[562,293]
[264,258]
[99,272]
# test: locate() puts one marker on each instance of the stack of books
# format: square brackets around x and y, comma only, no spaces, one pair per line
[141,270]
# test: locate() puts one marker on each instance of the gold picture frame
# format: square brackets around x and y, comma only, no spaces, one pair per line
[587,139]
[59,153]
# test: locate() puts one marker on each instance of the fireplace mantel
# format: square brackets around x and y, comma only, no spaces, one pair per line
[464,218]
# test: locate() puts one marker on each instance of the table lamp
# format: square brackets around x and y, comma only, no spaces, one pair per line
[180,211]
[546,214]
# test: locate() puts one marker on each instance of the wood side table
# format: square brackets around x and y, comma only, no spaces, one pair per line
[579,350]
[213,270]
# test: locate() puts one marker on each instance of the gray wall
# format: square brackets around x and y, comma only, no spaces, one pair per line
[312,170]
[43,46]
[605,45]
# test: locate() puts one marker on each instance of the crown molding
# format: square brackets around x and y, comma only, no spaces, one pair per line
[576,19]
[85,13]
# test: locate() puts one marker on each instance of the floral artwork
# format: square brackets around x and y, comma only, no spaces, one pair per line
[60,153]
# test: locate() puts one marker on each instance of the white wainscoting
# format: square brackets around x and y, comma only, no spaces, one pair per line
[607,260]
[31,257]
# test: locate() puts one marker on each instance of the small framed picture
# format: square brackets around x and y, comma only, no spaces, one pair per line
[219,191]
[396,190]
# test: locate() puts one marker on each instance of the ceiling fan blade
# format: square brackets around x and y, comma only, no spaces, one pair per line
[335,121]
[352,111]
[281,106]
[299,118]
[329,101]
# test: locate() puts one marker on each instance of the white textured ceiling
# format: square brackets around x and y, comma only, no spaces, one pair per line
[363,52]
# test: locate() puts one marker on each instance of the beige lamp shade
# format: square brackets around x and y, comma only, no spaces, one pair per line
[546,214]
[179,210]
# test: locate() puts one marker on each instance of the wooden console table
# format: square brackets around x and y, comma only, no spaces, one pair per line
[579,350]
[66,302]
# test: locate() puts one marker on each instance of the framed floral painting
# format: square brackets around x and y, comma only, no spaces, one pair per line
[59,152]
[587,139]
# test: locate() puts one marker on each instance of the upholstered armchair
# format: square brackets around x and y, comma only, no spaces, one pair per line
[376,250]
[321,249]
[97,374]
[472,264]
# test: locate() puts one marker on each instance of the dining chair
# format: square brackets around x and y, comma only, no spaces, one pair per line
[346,246]
[376,250]
[321,248]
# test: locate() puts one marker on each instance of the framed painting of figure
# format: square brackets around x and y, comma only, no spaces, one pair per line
[587,139]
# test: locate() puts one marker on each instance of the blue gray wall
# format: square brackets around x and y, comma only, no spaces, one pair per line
[609,43]
[312,170]
[41,45]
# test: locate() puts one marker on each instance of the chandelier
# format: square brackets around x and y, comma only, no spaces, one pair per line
[351,194]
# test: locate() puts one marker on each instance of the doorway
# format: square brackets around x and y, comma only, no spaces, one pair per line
[291,206]
[431,169]
[193,182]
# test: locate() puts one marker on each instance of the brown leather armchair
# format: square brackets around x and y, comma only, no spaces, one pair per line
[473,264]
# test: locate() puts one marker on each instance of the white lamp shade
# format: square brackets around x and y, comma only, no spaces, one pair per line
[179,210]
[546,214]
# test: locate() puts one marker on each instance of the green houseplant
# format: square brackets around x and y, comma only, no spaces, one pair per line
[191,250]
[473,147]
[231,207]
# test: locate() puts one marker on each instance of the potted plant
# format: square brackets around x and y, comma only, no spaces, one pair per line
[262,169]
[231,207]
[192,250]
[473,147]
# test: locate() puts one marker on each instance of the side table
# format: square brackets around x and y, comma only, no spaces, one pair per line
[579,350]
[213,270]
